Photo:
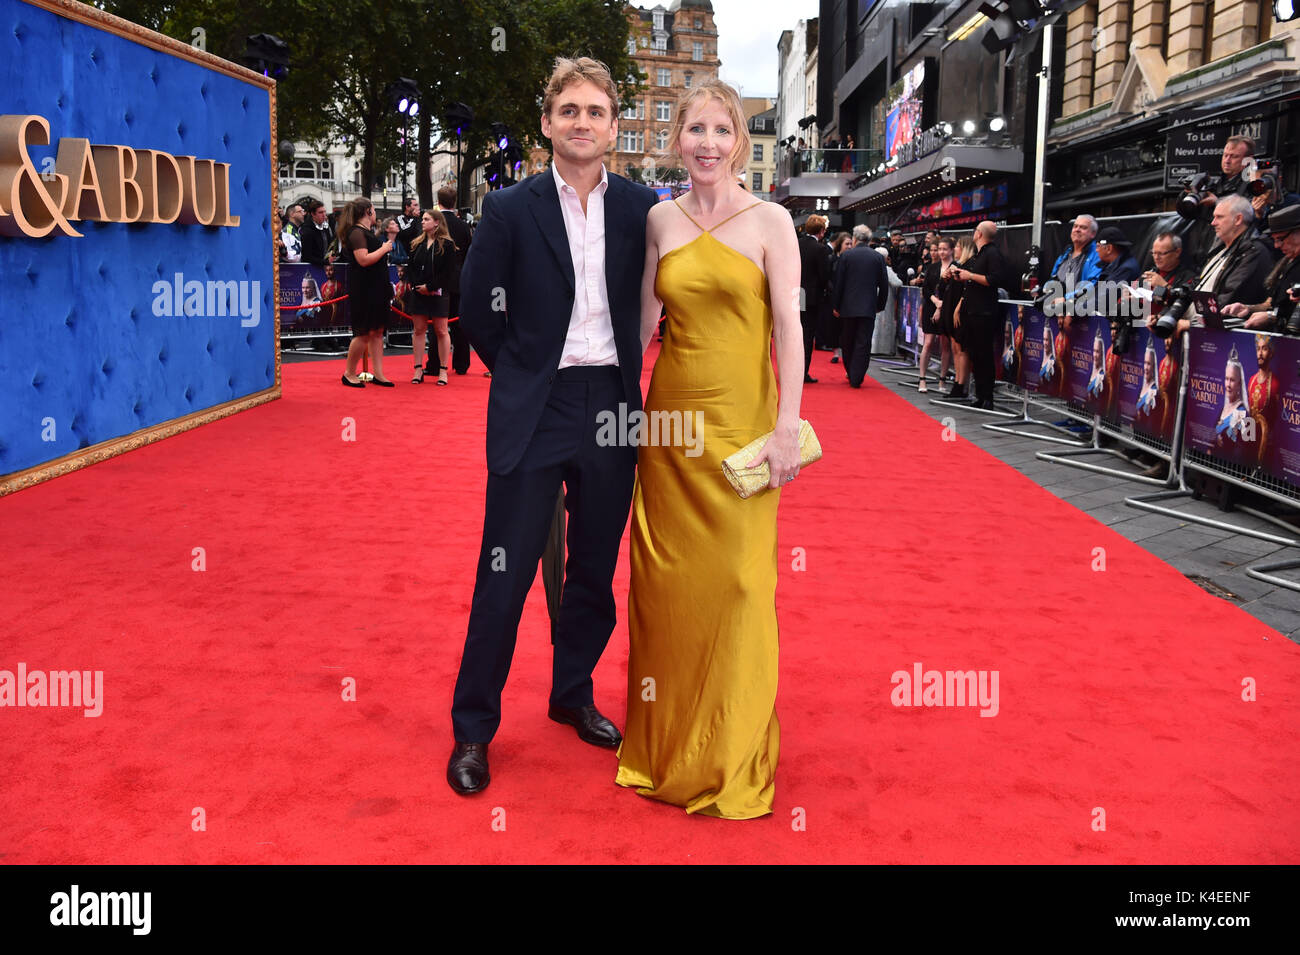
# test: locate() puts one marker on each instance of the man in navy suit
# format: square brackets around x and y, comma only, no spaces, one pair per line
[861,290]
[550,300]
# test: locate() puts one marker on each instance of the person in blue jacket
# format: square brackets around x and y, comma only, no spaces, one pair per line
[1078,267]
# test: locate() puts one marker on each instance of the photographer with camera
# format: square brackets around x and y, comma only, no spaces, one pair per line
[1167,259]
[1236,271]
[1278,313]
[1203,192]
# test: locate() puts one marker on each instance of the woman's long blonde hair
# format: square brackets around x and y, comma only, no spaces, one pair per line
[440,233]
[965,249]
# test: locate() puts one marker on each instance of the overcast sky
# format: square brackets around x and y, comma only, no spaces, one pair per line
[747,35]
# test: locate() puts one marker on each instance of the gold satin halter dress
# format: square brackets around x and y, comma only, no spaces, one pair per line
[701,730]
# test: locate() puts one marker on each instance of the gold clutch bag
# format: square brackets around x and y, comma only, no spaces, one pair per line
[749,481]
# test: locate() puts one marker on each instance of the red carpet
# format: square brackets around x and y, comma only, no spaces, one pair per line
[327,559]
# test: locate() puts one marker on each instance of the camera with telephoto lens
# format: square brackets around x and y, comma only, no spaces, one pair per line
[1121,333]
[1029,280]
[1293,321]
[1175,299]
[1195,189]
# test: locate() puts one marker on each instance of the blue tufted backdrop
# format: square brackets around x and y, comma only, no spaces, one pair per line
[79,341]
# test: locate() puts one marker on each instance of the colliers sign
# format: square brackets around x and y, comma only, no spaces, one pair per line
[103,184]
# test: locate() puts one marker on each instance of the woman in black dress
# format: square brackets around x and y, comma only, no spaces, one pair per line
[369,291]
[430,273]
[930,326]
[947,296]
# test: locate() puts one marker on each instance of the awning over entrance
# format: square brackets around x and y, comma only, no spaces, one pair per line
[940,172]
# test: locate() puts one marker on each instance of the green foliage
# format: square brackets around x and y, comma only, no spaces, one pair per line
[493,55]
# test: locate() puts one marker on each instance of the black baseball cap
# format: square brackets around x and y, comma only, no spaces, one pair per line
[1113,235]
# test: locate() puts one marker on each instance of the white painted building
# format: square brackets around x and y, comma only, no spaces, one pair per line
[796,88]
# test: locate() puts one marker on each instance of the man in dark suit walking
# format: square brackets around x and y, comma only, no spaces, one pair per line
[460,235]
[814,284]
[861,290]
[551,303]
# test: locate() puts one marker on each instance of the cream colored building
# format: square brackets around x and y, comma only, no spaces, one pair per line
[1140,78]
[760,172]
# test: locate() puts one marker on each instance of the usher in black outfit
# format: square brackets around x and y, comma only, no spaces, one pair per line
[929,283]
[369,291]
[433,264]
[979,317]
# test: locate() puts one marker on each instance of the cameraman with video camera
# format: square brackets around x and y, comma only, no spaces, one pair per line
[1278,313]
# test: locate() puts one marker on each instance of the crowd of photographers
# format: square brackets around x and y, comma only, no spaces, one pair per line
[1249,278]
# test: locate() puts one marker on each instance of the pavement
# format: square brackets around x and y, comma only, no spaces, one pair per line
[1213,558]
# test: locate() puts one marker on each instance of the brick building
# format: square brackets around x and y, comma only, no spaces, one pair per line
[675,46]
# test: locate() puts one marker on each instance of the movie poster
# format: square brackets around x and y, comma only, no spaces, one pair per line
[1037,357]
[308,294]
[1011,346]
[1101,391]
[1243,401]
[1083,361]
[909,317]
[1148,385]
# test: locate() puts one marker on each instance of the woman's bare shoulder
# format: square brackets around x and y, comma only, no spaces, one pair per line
[774,221]
[774,216]
[658,211]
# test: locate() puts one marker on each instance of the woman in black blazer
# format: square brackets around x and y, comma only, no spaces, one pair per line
[429,274]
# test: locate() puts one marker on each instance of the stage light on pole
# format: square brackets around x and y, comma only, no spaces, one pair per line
[267,54]
[402,93]
[968,128]
[1284,11]
[997,124]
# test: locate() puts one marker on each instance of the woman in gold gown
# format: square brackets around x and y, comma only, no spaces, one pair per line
[701,729]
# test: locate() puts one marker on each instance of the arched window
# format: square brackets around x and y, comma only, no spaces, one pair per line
[304,169]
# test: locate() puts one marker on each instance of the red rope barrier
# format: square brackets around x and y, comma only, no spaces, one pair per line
[295,308]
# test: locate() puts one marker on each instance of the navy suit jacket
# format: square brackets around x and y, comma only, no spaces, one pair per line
[861,285]
[517,296]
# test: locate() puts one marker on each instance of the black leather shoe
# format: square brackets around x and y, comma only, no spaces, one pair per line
[591,726]
[809,380]
[467,770]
